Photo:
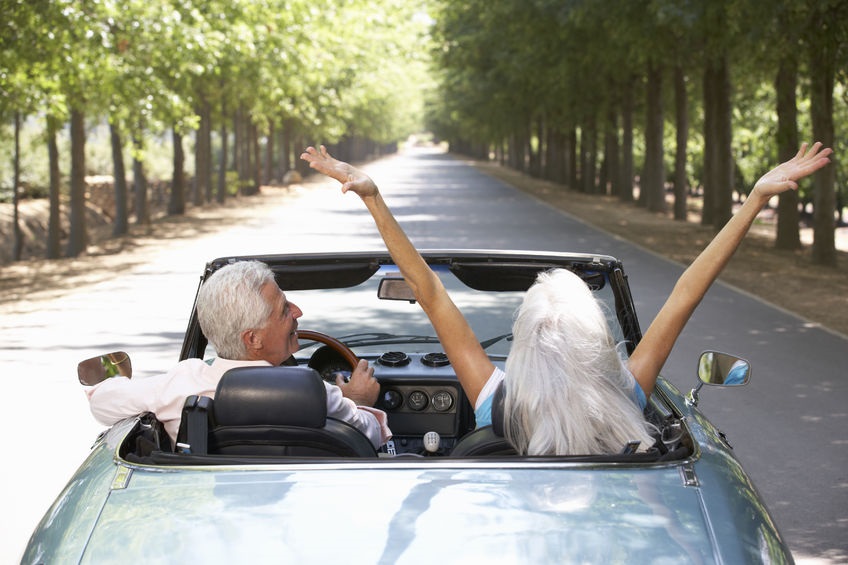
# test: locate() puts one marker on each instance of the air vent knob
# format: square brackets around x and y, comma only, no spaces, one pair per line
[394,359]
[437,359]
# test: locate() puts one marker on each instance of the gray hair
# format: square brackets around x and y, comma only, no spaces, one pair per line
[230,302]
[567,388]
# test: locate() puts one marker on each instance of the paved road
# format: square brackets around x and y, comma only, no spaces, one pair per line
[788,426]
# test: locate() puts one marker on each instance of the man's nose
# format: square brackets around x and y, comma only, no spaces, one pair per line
[295,310]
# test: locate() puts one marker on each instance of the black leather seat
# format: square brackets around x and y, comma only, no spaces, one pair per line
[268,411]
[487,440]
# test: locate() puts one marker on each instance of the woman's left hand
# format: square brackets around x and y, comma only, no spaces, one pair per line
[784,176]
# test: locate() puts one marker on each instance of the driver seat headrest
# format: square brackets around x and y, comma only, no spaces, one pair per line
[269,412]
[271,396]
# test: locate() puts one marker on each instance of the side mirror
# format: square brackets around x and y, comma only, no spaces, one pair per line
[395,287]
[722,369]
[98,369]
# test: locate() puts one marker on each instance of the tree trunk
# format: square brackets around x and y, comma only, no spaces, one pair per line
[613,155]
[121,225]
[142,208]
[257,159]
[268,174]
[788,235]
[573,173]
[16,181]
[286,149]
[203,155]
[681,107]
[241,153]
[553,155]
[822,70]
[709,176]
[653,178]
[723,193]
[589,142]
[222,166]
[176,205]
[54,223]
[78,235]
[627,168]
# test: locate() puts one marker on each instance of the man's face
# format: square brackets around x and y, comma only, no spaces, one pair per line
[279,335]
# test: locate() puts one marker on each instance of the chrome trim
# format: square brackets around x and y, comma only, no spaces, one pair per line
[690,479]
[122,478]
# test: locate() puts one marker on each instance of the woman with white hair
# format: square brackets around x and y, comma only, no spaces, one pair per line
[569,389]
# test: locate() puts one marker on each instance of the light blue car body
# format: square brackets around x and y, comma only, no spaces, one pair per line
[702,509]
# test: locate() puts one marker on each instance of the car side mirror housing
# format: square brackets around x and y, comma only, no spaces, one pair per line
[719,369]
[97,369]
[716,368]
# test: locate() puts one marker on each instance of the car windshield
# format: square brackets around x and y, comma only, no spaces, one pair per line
[357,317]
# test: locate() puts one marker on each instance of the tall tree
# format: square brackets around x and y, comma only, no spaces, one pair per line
[177,202]
[788,235]
[824,34]
[16,182]
[54,225]
[653,173]
[121,222]
[78,233]
[681,112]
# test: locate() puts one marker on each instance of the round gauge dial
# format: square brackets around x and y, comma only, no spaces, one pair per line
[442,401]
[417,400]
[392,399]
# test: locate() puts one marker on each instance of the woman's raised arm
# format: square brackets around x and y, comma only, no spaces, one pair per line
[469,359]
[651,353]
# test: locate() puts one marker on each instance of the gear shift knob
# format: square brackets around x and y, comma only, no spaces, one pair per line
[431,442]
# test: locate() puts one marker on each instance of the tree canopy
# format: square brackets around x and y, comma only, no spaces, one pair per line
[606,96]
[540,82]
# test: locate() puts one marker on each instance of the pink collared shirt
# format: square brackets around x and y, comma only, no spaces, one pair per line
[119,397]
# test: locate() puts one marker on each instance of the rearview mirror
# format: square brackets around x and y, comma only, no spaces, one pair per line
[716,368]
[394,287]
[98,369]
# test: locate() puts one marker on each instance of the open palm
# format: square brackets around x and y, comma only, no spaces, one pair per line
[784,176]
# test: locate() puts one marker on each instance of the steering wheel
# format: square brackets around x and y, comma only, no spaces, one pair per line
[343,350]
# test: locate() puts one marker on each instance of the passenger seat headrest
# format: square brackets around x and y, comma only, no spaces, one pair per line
[498,410]
[276,396]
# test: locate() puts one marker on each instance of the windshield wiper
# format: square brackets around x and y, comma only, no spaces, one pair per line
[491,341]
[377,338]
[360,340]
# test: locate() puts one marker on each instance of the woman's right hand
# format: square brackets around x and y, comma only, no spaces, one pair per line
[351,178]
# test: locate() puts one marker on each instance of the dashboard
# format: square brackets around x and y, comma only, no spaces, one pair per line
[419,393]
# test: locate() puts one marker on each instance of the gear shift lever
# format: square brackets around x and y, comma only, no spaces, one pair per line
[431,442]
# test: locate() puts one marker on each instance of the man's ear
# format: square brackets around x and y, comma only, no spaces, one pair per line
[252,340]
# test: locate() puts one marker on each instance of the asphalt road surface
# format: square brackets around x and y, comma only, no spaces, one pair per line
[789,426]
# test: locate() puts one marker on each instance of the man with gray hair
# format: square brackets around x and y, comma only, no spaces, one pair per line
[249,321]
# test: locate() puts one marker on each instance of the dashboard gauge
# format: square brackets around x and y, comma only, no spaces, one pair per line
[392,399]
[442,401]
[417,400]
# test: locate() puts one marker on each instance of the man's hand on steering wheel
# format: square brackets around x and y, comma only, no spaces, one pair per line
[363,388]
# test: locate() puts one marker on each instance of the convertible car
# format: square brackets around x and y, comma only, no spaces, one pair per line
[260,474]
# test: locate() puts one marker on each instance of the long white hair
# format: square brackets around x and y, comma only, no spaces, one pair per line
[567,389]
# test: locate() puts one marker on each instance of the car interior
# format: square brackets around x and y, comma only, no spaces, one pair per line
[277,415]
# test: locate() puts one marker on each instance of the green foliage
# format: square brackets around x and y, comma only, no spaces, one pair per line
[501,65]
[477,71]
[331,70]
